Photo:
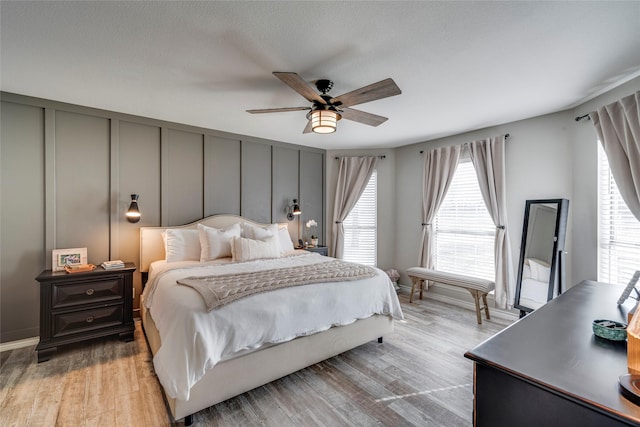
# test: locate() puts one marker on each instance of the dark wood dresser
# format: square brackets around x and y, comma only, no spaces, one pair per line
[548,369]
[79,306]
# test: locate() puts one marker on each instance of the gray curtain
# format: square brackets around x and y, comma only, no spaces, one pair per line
[353,177]
[488,160]
[439,167]
[618,127]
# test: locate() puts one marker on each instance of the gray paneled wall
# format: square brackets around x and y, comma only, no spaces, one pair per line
[312,182]
[22,218]
[222,176]
[285,186]
[81,184]
[68,173]
[183,178]
[256,181]
[137,156]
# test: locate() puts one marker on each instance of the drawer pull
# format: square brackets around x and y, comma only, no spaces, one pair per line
[89,292]
[89,319]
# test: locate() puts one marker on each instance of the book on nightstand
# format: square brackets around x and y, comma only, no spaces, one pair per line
[112,265]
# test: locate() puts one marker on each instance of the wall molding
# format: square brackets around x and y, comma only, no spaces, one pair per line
[181,172]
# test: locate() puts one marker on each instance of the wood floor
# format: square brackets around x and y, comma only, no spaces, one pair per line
[418,376]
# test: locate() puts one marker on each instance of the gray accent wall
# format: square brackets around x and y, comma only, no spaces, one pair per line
[255,182]
[222,176]
[67,173]
[312,182]
[22,218]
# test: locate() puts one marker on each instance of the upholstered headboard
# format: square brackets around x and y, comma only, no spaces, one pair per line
[152,246]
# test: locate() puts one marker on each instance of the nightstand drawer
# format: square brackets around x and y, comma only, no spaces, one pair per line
[66,295]
[86,320]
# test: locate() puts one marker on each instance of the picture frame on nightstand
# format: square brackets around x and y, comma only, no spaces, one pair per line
[60,258]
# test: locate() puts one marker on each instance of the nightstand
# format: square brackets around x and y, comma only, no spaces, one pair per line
[322,250]
[79,306]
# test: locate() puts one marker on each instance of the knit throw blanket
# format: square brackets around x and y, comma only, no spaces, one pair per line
[223,289]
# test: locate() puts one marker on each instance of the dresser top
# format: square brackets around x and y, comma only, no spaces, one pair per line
[554,348]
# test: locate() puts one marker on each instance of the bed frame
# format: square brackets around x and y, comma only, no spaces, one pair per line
[229,378]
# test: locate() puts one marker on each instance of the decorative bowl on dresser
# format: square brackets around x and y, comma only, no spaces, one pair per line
[81,306]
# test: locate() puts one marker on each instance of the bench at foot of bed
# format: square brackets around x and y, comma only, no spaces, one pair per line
[479,288]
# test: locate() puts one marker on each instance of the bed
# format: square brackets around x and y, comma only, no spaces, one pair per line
[195,370]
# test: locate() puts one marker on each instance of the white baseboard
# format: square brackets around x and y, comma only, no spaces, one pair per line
[461,298]
[12,345]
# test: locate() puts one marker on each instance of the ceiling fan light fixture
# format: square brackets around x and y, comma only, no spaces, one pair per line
[324,121]
[326,110]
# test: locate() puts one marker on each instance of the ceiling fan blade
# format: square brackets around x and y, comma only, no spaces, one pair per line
[362,117]
[382,89]
[296,83]
[307,128]
[277,110]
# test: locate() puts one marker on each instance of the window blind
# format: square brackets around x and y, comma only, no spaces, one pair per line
[618,229]
[360,227]
[464,231]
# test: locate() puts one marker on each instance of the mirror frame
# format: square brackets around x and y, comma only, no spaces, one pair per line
[557,271]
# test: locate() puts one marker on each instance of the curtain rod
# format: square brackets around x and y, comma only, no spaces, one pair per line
[506,136]
[586,116]
[380,157]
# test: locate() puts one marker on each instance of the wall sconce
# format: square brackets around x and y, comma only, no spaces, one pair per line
[293,210]
[133,214]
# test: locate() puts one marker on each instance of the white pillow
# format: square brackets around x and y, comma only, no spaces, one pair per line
[215,242]
[182,245]
[243,249]
[286,245]
[257,232]
[251,231]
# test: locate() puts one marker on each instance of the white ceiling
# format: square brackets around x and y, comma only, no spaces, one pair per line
[460,65]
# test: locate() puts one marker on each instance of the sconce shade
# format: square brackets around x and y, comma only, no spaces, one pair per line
[133,214]
[324,121]
[293,210]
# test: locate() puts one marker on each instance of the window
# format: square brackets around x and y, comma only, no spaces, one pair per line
[618,230]
[464,233]
[360,227]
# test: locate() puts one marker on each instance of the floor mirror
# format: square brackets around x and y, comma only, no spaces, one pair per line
[541,269]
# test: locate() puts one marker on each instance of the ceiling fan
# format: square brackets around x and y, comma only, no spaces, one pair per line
[326,110]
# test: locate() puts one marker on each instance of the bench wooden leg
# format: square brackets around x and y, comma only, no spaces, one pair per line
[476,298]
[415,281]
[486,306]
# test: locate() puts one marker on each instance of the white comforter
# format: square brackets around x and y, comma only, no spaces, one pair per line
[194,340]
